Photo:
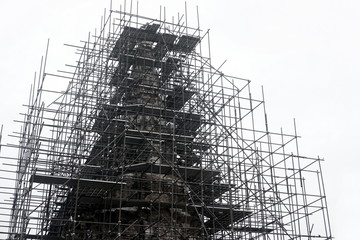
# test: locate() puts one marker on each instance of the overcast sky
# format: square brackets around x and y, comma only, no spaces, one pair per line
[304,52]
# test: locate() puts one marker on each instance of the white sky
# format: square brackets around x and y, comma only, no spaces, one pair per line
[305,53]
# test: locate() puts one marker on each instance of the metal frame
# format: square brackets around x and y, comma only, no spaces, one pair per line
[150,141]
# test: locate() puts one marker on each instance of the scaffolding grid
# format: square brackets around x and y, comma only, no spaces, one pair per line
[150,141]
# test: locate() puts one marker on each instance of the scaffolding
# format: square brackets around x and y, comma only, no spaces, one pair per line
[150,141]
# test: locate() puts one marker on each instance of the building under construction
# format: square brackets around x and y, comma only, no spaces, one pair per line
[150,141]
